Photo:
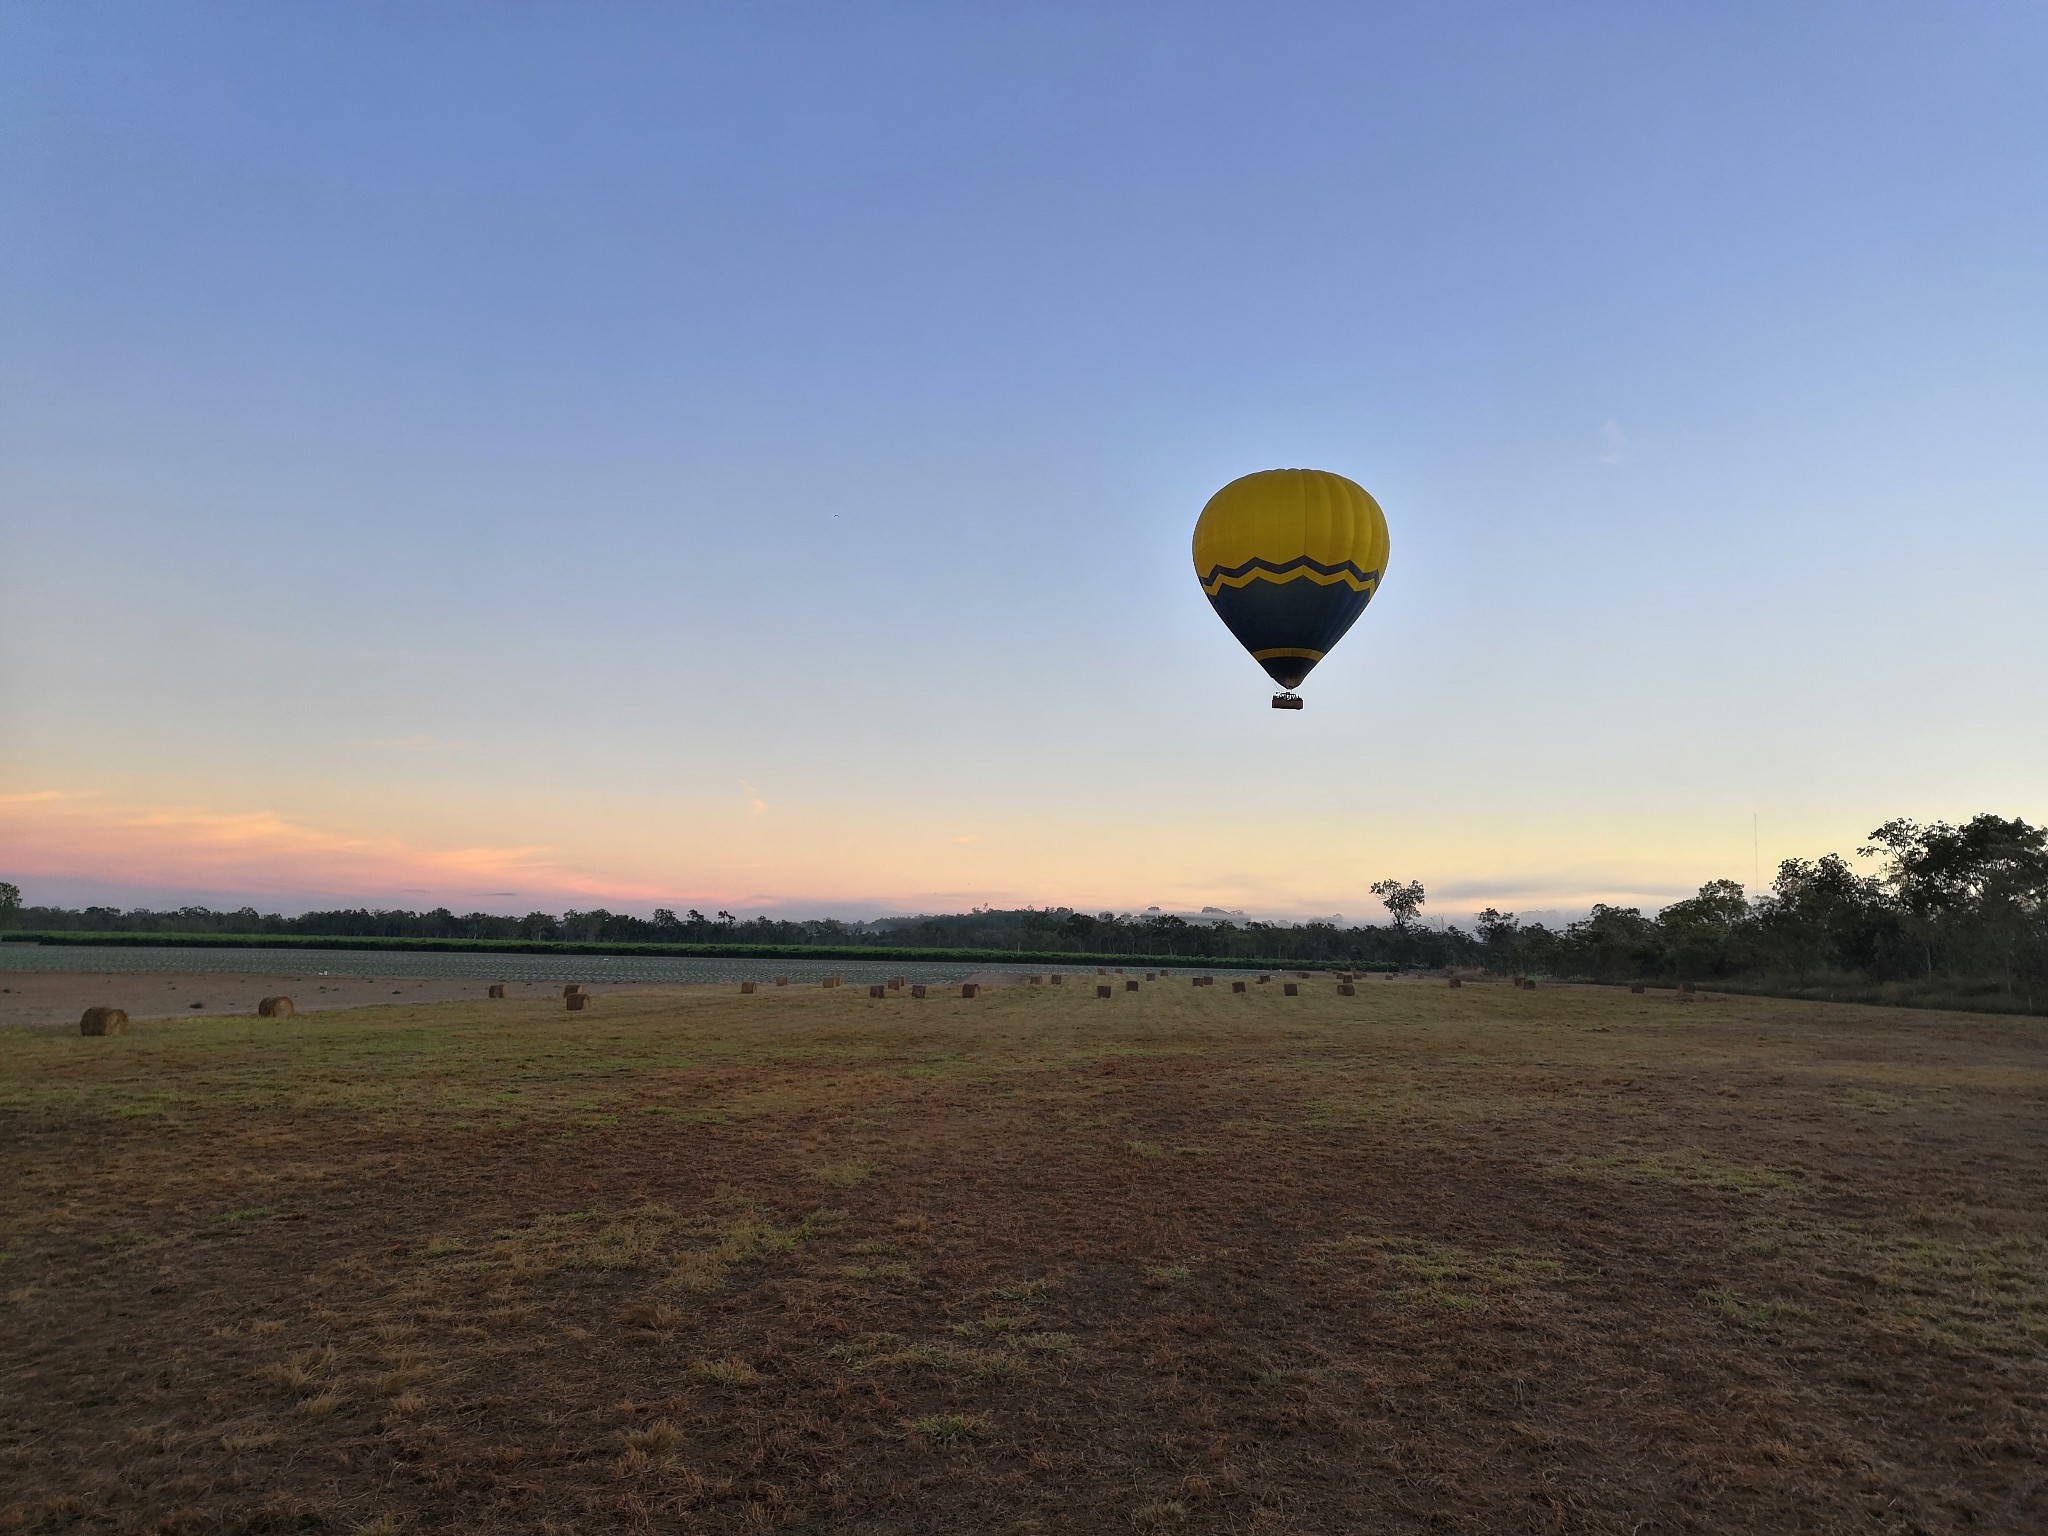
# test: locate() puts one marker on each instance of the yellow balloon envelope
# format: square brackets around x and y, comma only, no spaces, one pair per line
[1289,558]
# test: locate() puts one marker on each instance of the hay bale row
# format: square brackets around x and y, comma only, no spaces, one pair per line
[104,1021]
[275,1008]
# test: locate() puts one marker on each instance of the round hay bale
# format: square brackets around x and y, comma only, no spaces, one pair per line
[1457,982]
[1059,981]
[1636,987]
[577,1001]
[746,986]
[969,989]
[897,983]
[1237,986]
[572,989]
[1102,990]
[497,989]
[878,990]
[104,1021]
[275,1008]
[782,981]
[917,990]
[1346,989]
[1130,985]
[1292,989]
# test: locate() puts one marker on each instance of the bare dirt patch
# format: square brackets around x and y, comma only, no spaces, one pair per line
[1420,1259]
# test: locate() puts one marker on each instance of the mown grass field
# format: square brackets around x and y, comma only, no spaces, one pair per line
[1415,1260]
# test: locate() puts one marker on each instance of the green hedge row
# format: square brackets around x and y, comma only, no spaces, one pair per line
[1008,959]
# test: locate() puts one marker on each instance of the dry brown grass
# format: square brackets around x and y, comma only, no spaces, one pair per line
[1417,1259]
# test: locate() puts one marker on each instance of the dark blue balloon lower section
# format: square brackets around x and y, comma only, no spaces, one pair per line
[1290,625]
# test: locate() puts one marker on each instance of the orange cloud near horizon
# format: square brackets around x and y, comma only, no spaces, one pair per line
[55,834]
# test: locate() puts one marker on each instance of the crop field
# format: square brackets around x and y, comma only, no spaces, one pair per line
[1420,1259]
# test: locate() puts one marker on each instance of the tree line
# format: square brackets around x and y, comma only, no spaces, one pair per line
[1951,915]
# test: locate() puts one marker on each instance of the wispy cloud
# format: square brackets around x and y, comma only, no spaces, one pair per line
[965,837]
[63,835]
[755,804]
[1615,447]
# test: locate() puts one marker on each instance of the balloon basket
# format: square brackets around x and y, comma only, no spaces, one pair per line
[1287,701]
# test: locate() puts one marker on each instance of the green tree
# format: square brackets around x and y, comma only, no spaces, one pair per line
[1973,896]
[1403,901]
[1703,932]
[1499,932]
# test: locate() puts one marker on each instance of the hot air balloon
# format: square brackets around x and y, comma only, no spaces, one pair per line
[1290,558]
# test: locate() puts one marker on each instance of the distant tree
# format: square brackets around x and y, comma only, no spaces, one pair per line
[1973,894]
[1611,941]
[1404,902]
[1820,915]
[1498,932]
[10,903]
[1702,933]
[1167,931]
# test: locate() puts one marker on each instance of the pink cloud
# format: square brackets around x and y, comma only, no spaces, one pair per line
[53,834]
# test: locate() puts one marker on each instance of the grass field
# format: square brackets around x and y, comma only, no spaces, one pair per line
[1414,1260]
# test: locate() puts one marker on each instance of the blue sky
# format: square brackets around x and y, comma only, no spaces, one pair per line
[746,455]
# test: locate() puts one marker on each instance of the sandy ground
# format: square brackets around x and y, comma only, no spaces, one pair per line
[55,999]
